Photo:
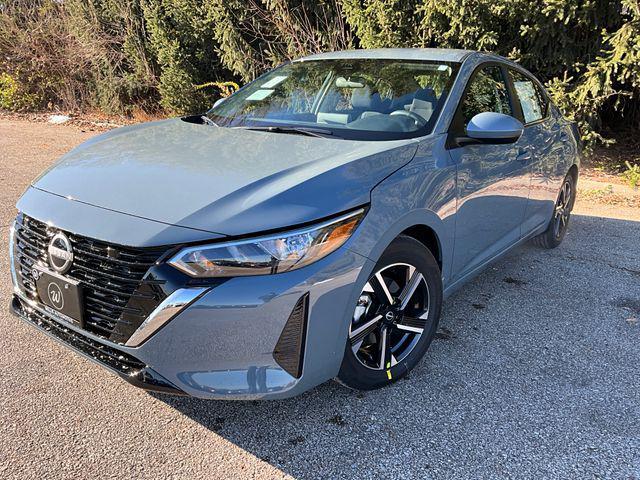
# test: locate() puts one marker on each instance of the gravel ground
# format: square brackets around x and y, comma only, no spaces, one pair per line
[535,374]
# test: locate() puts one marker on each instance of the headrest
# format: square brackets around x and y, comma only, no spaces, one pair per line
[361,97]
[426,94]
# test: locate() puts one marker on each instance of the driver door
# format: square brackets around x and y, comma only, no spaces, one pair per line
[492,179]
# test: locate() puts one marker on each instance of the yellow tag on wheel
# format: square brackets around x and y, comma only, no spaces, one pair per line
[389,370]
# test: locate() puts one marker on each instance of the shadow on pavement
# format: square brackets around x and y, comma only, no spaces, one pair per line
[515,388]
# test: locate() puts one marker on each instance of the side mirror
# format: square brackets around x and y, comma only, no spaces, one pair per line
[492,127]
[218,102]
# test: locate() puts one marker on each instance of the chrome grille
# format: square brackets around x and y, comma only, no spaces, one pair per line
[109,274]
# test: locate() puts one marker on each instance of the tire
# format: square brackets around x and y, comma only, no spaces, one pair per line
[412,279]
[559,223]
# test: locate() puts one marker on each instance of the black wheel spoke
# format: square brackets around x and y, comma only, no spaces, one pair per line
[381,290]
[387,359]
[412,324]
[410,289]
[567,196]
[383,348]
[357,336]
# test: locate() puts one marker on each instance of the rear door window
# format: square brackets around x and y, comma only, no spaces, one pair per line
[532,100]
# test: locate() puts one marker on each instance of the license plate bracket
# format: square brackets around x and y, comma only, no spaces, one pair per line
[62,295]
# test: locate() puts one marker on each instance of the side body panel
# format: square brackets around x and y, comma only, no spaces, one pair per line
[421,193]
[554,150]
[545,154]
[492,183]
[493,187]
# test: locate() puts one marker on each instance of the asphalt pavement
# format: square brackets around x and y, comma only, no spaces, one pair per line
[535,373]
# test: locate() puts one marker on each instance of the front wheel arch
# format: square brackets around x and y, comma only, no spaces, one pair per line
[428,237]
[423,225]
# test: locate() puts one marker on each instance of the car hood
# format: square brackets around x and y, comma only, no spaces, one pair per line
[224,181]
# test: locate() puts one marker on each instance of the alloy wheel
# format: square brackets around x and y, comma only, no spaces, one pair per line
[562,209]
[390,317]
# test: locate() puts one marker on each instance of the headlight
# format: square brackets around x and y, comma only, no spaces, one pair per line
[268,255]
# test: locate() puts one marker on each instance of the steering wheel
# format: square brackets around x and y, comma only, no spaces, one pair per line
[419,121]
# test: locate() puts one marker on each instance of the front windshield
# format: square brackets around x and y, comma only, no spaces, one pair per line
[362,99]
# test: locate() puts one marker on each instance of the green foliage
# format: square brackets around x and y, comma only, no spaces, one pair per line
[111,36]
[117,55]
[564,93]
[12,96]
[76,54]
[632,174]
[8,92]
[181,40]
[383,23]
[255,35]
[610,83]
[545,35]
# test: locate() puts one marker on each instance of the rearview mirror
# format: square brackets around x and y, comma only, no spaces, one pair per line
[492,127]
[342,82]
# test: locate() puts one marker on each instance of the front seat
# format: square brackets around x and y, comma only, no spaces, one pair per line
[364,103]
[424,103]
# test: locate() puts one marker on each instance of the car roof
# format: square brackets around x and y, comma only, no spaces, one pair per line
[435,54]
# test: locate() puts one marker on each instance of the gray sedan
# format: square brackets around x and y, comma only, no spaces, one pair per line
[306,228]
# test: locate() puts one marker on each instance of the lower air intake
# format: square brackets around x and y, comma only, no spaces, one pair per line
[289,351]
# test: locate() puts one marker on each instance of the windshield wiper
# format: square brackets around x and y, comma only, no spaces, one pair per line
[310,132]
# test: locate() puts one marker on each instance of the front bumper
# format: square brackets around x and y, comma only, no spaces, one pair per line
[222,345]
[126,366]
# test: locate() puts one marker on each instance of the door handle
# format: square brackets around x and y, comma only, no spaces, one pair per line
[524,156]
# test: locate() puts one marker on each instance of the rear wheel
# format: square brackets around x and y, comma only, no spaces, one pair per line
[395,317]
[557,229]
